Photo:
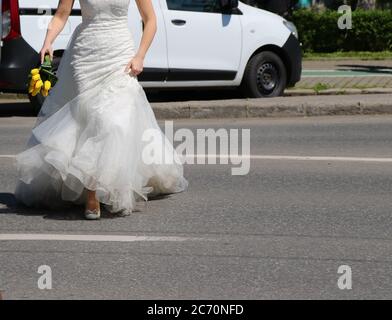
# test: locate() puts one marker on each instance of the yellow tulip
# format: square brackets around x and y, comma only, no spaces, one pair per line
[36,77]
[34,72]
[47,85]
[32,86]
[35,92]
[45,93]
[39,84]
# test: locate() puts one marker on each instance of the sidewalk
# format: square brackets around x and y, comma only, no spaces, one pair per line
[345,73]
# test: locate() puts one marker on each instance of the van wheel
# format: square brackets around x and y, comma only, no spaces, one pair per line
[38,100]
[265,76]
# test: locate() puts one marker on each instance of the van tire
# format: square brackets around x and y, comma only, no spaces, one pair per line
[265,64]
[38,100]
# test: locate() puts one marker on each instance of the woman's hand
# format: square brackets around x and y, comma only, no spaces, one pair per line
[47,48]
[135,66]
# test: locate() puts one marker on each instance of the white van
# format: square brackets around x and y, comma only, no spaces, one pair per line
[199,43]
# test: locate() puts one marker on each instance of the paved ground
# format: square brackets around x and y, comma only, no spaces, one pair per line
[282,231]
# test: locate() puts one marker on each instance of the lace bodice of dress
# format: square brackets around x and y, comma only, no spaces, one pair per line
[104,9]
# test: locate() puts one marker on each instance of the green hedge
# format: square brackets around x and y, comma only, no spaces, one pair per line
[319,32]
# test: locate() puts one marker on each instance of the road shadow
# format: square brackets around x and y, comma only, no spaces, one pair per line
[16,109]
[9,205]
[200,94]
[365,68]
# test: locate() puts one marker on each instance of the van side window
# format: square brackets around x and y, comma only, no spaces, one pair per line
[195,5]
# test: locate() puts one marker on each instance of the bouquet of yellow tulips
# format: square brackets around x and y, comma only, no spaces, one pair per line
[42,79]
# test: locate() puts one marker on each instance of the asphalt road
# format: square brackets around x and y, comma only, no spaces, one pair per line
[281,231]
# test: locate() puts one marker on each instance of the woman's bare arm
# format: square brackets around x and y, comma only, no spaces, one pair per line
[150,25]
[147,13]
[55,26]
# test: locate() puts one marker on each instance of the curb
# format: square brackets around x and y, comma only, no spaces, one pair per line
[374,104]
[12,96]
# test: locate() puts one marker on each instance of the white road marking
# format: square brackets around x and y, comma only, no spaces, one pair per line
[7,156]
[273,157]
[91,237]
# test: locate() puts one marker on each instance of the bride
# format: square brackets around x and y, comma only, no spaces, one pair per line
[87,146]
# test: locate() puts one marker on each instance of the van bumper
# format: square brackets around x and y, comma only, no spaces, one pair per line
[293,55]
[17,59]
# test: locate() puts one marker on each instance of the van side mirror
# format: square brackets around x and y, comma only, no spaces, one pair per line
[228,5]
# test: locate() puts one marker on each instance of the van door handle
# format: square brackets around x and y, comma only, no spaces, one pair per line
[178,22]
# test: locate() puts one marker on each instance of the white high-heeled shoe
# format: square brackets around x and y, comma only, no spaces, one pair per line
[93,214]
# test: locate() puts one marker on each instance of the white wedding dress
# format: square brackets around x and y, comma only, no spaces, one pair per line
[89,132]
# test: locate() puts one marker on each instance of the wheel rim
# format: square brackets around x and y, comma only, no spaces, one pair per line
[267,77]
